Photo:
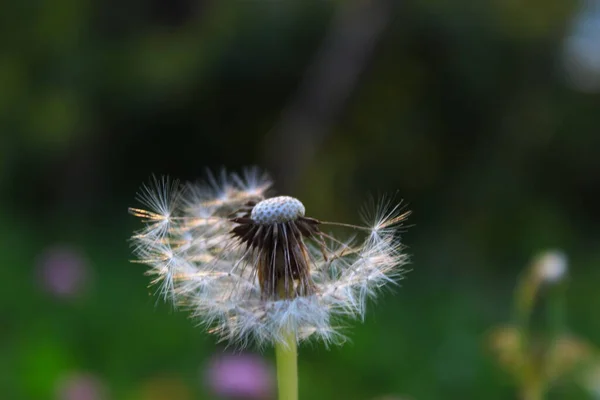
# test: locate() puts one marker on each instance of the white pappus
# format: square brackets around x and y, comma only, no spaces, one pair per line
[251,268]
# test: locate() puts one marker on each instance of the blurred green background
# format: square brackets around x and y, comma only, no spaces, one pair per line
[483,116]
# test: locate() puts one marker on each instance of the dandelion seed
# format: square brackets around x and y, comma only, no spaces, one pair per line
[251,268]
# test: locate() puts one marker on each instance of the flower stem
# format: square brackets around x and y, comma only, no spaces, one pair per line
[286,354]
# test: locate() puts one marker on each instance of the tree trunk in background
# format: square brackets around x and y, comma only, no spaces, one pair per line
[328,82]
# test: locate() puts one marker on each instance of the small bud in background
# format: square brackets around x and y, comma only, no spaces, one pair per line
[240,376]
[547,267]
[63,271]
[551,266]
[81,386]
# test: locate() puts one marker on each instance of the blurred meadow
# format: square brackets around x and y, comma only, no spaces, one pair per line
[483,116]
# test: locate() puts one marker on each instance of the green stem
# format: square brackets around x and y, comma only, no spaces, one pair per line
[286,354]
[526,291]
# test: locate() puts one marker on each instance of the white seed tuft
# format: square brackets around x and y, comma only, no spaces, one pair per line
[197,263]
[277,209]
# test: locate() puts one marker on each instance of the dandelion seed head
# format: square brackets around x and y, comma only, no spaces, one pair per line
[251,268]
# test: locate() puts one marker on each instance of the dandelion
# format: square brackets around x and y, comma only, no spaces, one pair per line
[257,269]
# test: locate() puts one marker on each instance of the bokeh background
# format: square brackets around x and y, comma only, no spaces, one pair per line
[483,116]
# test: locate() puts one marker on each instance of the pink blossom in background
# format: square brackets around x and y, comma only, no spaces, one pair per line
[63,271]
[241,376]
[81,386]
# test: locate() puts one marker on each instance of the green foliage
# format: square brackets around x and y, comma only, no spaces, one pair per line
[461,108]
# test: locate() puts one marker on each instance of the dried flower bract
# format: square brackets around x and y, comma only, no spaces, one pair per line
[251,267]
